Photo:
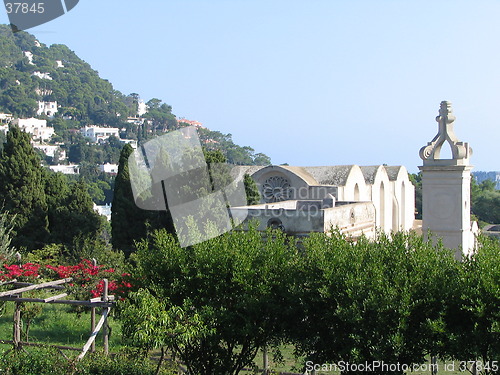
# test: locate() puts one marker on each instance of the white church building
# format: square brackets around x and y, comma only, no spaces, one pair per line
[368,199]
[356,200]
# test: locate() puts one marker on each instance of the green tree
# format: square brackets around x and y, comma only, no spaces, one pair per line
[161,115]
[372,301]
[261,159]
[129,223]
[6,225]
[22,190]
[473,325]
[74,216]
[416,180]
[253,195]
[238,284]
[485,201]
[150,323]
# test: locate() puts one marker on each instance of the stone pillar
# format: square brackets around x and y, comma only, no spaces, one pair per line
[446,187]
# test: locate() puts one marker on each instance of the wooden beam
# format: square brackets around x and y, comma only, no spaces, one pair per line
[64,301]
[93,335]
[92,327]
[13,281]
[34,287]
[20,284]
[105,329]
[53,298]
[16,335]
[99,299]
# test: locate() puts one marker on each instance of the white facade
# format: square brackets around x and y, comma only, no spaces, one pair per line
[37,128]
[42,75]
[29,56]
[109,168]
[104,210]
[47,108]
[51,150]
[388,189]
[66,169]
[301,217]
[131,142]
[142,108]
[97,134]
[5,118]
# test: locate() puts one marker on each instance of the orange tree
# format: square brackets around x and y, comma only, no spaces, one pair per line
[473,326]
[231,294]
[372,302]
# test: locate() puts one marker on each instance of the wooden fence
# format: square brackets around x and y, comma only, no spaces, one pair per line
[105,302]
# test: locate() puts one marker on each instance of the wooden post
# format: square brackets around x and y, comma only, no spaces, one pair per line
[265,360]
[17,325]
[92,327]
[105,327]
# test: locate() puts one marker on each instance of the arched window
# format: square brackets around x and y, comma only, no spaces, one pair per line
[356,192]
[382,205]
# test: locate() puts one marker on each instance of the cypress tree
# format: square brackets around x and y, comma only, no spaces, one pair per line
[73,215]
[22,184]
[253,195]
[128,222]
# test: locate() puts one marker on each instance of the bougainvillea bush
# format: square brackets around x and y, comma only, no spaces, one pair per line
[87,278]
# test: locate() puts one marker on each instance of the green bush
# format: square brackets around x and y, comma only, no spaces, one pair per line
[35,362]
[48,361]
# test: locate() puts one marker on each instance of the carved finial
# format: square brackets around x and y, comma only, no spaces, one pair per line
[445,119]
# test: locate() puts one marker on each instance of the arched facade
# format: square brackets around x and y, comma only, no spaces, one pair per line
[387,188]
[379,185]
[404,195]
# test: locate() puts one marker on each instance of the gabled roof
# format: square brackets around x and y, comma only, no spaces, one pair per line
[393,172]
[330,175]
[369,173]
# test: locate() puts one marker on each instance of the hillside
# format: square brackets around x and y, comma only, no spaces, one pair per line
[31,72]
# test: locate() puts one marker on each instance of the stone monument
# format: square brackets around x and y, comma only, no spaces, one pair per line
[446,187]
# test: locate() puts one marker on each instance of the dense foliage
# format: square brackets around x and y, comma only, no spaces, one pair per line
[47,208]
[47,361]
[485,201]
[234,288]
[394,300]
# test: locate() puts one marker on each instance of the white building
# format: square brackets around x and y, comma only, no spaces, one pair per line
[29,56]
[59,64]
[131,142]
[5,118]
[65,169]
[135,120]
[109,168]
[387,189]
[99,134]
[47,108]
[42,75]
[104,210]
[142,108]
[37,128]
[51,150]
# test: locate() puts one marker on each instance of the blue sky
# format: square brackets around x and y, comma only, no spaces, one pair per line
[306,82]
